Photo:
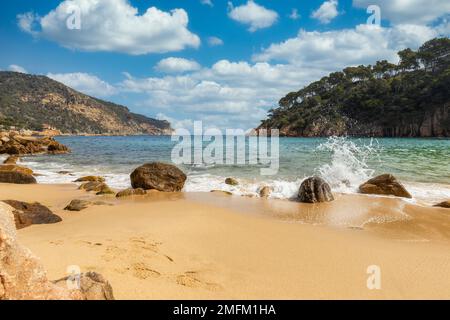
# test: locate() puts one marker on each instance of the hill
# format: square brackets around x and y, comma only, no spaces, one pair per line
[33,102]
[408,99]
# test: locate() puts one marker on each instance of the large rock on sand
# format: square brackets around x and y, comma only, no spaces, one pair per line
[385,184]
[444,204]
[158,176]
[315,189]
[22,276]
[16,177]
[131,192]
[27,214]
[14,167]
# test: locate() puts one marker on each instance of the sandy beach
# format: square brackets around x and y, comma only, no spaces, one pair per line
[216,246]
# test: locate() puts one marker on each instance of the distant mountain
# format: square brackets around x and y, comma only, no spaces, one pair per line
[34,102]
[411,99]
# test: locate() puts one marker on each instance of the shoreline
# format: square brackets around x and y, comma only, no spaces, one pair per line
[216,246]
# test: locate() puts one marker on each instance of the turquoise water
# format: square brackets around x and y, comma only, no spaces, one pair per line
[423,164]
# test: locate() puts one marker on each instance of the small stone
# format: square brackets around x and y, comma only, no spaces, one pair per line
[231,181]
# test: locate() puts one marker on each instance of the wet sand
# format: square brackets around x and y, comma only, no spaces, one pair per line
[216,246]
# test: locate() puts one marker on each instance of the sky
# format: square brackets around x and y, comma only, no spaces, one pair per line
[225,63]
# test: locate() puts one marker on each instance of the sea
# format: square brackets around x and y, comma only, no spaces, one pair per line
[422,165]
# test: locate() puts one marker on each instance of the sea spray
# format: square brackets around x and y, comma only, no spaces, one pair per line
[348,167]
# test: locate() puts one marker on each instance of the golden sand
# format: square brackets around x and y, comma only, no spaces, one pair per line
[215,246]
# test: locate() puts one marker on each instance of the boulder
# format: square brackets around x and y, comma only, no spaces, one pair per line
[90,179]
[92,285]
[16,168]
[92,186]
[131,192]
[264,192]
[159,176]
[54,147]
[385,184]
[27,214]
[11,160]
[105,190]
[22,276]
[16,177]
[231,181]
[77,205]
[444,204]
[315,189]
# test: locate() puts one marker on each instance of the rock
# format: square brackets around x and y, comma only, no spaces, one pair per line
[16,144]
[27,214]
[90,179]
[315,189]
[231,181]
[11,160]
[131,192]
[264,192]
[54,147]
[16,168]
[92,286]
[64,172]
[159,176]
[92,186]
[444,204]
[77,205]
[22,276]
[16,177]
[105,190]
[228,193]
[385,184]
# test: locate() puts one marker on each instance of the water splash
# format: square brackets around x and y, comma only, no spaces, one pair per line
[349,163]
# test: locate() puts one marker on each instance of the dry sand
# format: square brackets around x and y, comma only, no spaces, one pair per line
[214,246]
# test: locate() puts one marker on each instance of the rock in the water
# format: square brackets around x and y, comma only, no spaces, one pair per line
[11,160]
[16,177]
[385,184]
[315,189]
[105,190]
[264,192]
[231,181]
[27,214]
[91,179]
[92,285]
[14,167]
[22,276]
[159,176]
[77,205]
[92,186]
[444,204]
[131,192]
[17,145]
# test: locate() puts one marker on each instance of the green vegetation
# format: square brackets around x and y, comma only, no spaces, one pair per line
[30,102]
[411,98]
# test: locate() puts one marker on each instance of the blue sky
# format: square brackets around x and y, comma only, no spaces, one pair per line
[222,62]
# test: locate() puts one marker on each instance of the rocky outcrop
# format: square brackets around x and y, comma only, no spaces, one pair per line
[11,160]
[22,276]
[16,168]
[131,192]
[231,181]
[444,204]
[158,176]
[385,184]
[27,214]
[16,177]
[315,189]
[23,145]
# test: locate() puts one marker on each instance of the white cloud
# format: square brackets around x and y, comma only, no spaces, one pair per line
[408,11]
[333,50]
[113,26]
[294,15]
[214,41]
[207,3]
[176,65]
[326,12]
[252,14]
[16,68]
[85,83]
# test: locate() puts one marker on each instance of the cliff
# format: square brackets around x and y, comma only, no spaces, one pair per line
[37,102]
[410,99]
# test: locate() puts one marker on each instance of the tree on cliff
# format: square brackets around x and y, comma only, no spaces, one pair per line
[383,99]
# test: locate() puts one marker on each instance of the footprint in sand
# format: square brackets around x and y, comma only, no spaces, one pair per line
[190,279]
[142,271]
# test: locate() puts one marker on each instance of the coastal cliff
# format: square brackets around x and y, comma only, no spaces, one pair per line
[408,99]
[39,103]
